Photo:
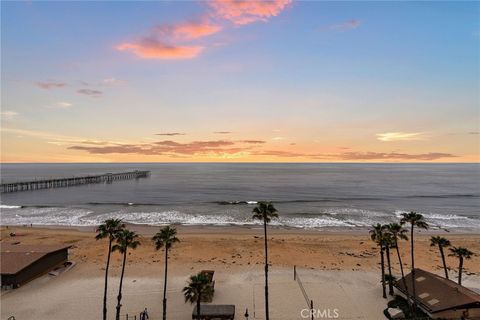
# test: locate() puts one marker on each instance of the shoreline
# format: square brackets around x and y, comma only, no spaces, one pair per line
[246,229]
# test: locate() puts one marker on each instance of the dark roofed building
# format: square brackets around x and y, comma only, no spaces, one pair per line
[440,297]
[21,263]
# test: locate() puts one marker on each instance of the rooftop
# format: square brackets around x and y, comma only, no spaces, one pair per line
[436,293]
[15,258]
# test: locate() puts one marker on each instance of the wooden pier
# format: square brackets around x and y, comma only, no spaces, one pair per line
[73,181]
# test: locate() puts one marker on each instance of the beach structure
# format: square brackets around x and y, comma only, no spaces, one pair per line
[441,298]
[71,181]
[22,263]
[215,311]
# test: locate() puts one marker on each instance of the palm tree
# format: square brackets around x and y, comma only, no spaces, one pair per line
[388,243]
[125,239]
[415,220]
[398,232]
[377,235]
[165,238]
[265,211]
[109,229]
[441,243]
[198,288]
[461,253]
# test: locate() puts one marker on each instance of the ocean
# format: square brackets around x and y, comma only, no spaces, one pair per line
[310,196]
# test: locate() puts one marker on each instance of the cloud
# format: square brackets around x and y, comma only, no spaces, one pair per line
[474,132]
[187,30]
[90,92]
[179,40]
[171,134]
[346,25]
[278,138]
[394,156]
[168,147]
[8,115]
[149,48]
[400,136]
[242,12]
[50,85]
[222,132]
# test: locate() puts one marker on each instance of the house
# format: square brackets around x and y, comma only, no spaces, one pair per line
[439,297]
[22,263]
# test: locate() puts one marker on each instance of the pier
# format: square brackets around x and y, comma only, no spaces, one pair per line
[72,181]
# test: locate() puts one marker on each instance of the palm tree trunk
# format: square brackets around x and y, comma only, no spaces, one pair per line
[413,271]
[106,280]
[267,314]
[443,260]
[198,307]
[460,267]
[382,262]
[390,280]
[403,274]
[165,286]
[119,297]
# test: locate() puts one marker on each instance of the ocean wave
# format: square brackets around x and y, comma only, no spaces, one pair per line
[5,206]
[329,217]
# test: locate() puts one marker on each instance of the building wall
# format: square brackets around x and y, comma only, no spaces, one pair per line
[36,269]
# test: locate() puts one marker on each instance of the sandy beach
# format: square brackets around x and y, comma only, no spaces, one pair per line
[340,270]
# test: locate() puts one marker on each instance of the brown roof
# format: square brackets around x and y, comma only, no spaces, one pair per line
[435,293]
[15,258]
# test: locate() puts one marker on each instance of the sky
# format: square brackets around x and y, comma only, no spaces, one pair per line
[240,81]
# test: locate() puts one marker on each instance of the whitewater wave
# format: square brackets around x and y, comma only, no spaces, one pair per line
[329,217]
[4,206]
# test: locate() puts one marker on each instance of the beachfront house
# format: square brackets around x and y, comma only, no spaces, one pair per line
[441,298]
[22,263]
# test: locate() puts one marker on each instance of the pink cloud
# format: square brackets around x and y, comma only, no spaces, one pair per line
[242,12]
[149,48]
[188,30]
[168,41]
[177,41]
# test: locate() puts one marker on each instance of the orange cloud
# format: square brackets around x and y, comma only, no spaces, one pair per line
[242,12]
[153,49]
[188,30]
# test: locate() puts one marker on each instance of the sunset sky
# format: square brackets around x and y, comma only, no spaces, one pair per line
[240,81]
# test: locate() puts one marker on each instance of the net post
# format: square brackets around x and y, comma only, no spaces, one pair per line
[311,308]
[294,272]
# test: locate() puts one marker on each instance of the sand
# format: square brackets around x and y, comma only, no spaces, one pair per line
[340,270]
